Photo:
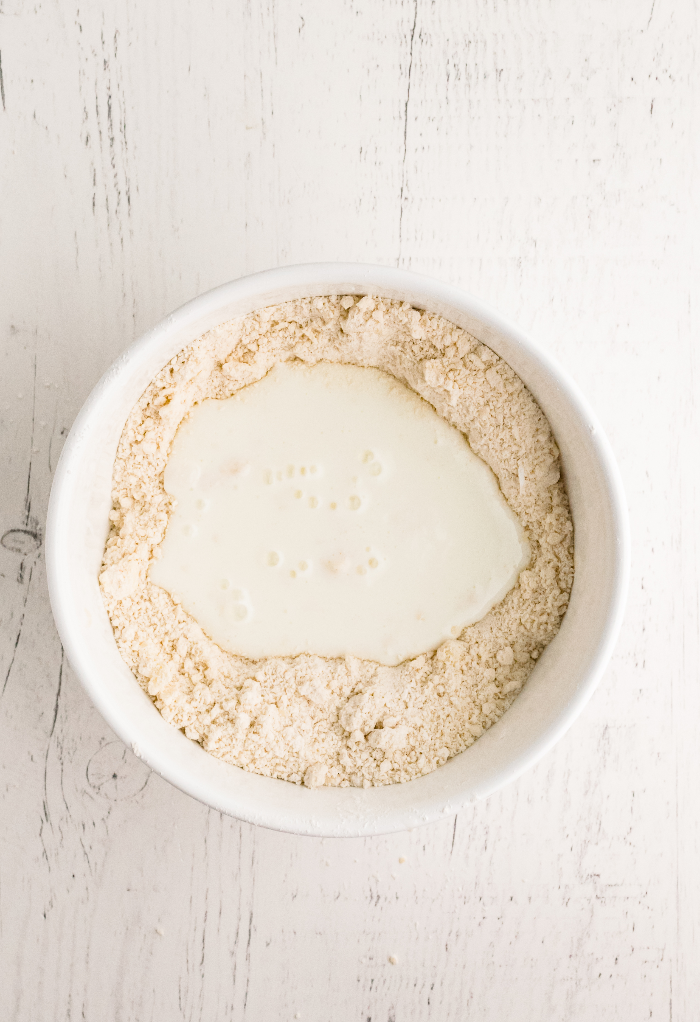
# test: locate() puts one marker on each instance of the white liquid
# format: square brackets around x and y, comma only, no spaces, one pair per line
[330,510]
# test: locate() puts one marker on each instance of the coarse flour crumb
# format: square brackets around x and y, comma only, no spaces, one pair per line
[339,721]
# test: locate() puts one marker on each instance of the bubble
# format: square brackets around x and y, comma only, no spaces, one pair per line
[367,456]
[302,470]
[354,502]
[268,476]
[290,471]
[292,573]
[333,505]
[303,566]
[225,584]
[375,469]
[373,562]
[273,558]
[298,494]
[313,502]
[361,570]
[202,504]
[240,612]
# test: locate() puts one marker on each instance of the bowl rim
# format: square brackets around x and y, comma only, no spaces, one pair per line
[378,279]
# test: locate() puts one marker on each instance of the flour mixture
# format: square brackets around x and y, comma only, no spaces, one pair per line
[360,718]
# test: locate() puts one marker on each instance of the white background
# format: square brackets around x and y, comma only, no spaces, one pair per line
[541,153]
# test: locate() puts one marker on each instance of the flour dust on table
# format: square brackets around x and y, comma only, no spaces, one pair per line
[339,541]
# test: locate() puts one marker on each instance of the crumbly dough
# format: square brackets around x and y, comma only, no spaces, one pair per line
[346,721]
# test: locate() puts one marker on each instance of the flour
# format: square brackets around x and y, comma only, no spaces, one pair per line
[346,721]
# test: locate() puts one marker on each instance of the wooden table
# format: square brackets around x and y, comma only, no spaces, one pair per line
[543,155]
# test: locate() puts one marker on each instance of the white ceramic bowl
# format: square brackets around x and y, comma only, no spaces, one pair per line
[560,684]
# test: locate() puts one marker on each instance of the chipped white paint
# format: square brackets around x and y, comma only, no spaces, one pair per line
[541,155]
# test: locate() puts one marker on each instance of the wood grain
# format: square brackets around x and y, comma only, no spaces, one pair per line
[544,156]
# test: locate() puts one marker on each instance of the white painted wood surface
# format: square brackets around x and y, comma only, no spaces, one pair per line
[544,155]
